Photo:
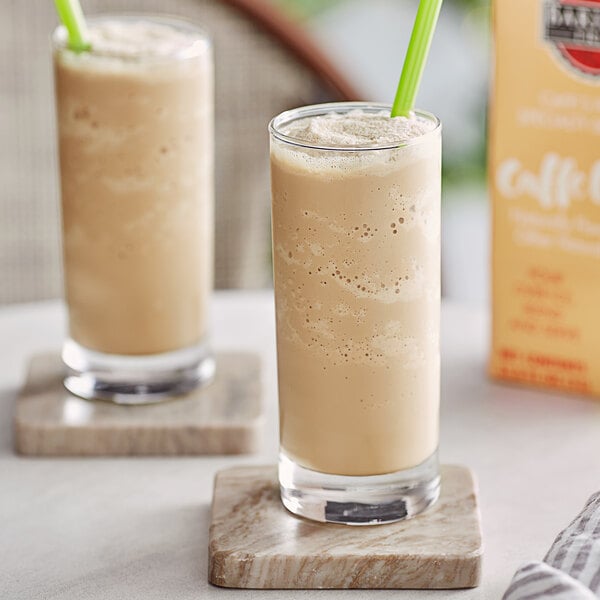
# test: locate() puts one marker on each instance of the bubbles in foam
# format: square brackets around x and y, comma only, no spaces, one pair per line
[316,249]
[347,346]
[349,131]
[417,210]
[357,129]
[119,38]
[392,342]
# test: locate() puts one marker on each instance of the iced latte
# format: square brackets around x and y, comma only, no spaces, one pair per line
[356,247]
[135,126]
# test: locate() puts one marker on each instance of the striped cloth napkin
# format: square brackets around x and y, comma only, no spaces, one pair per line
[571,570]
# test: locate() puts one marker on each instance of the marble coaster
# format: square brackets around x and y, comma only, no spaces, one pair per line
[255,543]
[225,417]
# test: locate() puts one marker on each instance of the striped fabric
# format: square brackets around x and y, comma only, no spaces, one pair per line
[571,569]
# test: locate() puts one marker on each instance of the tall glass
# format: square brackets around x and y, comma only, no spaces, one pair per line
[135,130]
[356,248]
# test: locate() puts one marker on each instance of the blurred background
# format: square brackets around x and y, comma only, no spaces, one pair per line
[271,55]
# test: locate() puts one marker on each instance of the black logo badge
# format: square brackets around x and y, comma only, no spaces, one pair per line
[573,28]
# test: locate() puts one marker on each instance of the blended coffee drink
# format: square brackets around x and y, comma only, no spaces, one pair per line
[135,125]
[356,246]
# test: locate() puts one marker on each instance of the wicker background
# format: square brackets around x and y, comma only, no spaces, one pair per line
[256,77]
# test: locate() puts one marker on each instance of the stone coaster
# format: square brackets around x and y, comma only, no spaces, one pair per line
[255,543]
[225,417]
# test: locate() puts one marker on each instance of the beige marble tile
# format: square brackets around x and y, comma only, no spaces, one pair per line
[255,543]
[226,417]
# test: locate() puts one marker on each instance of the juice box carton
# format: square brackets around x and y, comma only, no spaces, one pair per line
[544,175]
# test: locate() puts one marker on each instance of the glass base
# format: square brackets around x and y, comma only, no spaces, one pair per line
[136,379]
[366,500]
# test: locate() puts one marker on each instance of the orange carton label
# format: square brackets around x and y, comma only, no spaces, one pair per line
[545,186]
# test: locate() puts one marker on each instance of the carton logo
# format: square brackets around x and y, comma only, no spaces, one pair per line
[573,28]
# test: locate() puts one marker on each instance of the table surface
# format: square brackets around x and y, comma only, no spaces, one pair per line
[137,528]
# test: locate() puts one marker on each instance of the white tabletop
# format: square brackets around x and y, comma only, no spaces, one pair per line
[137,528]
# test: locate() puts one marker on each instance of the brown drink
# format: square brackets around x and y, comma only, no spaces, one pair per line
[135,123]
[356,246]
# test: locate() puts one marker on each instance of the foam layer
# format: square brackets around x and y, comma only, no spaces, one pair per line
[357,129]
[138,38]
[134,41]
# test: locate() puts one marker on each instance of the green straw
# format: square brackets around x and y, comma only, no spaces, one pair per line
[416,57]
[71,15]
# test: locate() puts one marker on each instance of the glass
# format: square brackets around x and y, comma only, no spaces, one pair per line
[356,250]
[135,133]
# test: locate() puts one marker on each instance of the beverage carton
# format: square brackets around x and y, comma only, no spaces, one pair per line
[544,174]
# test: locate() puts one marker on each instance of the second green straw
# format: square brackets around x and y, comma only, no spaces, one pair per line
[416,57]
[72,18]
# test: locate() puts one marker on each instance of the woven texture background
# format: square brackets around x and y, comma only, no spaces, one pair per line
[256,77]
